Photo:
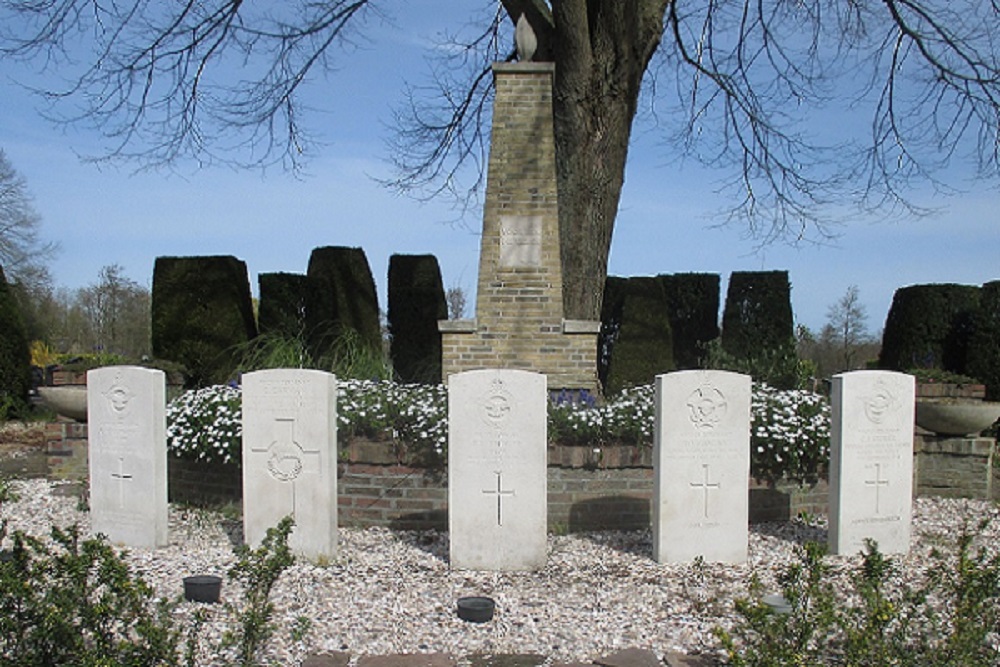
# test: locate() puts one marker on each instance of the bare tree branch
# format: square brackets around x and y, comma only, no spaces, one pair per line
[215,80]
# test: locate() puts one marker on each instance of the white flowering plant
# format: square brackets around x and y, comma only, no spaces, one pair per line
[789,438]
[789,434]
[416,414]
[206,424]
[626,418]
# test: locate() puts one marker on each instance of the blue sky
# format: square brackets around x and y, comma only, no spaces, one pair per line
[109,215]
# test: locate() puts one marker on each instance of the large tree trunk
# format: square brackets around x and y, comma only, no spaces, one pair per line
[601,49]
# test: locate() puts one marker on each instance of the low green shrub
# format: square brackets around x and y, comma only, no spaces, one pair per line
[258,570]
[948,620]
[74,601]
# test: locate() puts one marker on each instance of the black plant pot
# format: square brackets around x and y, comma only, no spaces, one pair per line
[202,588]
[476,609]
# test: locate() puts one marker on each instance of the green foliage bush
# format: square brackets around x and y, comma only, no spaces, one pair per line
[779,367]
[929,326]
[693,309]
[282,307]
[416,303]
[635,343]
[74,601]
[984,343]
[258,570]
[757,319]
[202,312]
[946,621]
[341,298]
[15,355]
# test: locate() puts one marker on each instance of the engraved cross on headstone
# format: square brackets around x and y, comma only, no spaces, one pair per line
[122,478]
[878,482]
[706,486]
[499,492]
[286,459]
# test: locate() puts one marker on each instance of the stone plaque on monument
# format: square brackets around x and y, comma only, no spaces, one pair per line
[871,461]
[520,241]
[290,457]
[497,455]
[701,459]
[127,454]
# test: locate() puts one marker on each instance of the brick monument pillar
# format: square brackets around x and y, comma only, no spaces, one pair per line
[519,308]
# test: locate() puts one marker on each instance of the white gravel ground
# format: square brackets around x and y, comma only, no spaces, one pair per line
[393,592]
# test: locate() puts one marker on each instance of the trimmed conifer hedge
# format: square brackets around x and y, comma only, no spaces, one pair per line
[282,307]
[757,320]
[15,353]
[929,326]
[693,309]
[202,314]
[341,300]
[416,303]
[635,343]
[984,344]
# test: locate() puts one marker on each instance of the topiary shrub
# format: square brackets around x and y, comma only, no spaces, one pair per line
[341,301]
[984,343]
[282,307]
[693,309]
[15,354]
[929,326]
[757,319]
[635,341]
[416,303]
[202,315]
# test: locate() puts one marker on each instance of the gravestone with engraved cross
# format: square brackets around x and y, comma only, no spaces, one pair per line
[871,461]
[497,453]
[127,454]
[290,457]
[701,459]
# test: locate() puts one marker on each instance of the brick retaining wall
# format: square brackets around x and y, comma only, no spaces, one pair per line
[592,496]
[588,488]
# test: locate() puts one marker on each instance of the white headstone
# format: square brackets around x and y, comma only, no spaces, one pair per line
[127,453]
[701,460]
[290,457]
[871,461]
[497,455]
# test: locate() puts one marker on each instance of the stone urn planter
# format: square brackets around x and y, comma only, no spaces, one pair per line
[68,401]
[956,416]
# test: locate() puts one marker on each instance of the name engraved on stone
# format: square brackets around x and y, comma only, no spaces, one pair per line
[701,466]
[127,455]
[496,470]
[871,461]
[520,241]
